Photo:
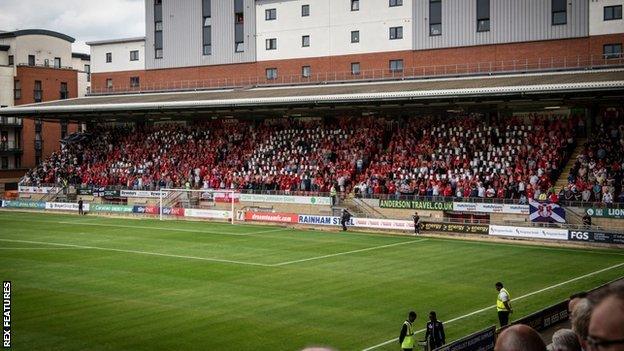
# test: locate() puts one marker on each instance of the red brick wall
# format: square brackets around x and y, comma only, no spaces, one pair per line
[339,67]
[51,79]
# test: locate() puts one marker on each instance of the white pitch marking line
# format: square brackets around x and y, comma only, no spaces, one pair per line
[347,252]
[164,228]
[514,299]
[41,248]
[140,252]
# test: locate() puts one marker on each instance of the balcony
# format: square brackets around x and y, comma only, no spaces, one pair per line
[10,147]
[11,122]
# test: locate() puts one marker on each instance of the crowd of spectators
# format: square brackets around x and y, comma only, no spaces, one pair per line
[597,173]
[454,156]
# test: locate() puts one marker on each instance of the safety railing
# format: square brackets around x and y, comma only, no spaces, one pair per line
[458,69]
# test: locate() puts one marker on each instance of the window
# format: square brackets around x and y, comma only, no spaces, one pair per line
[355,36]
[559,12]
[158,29]
[207,27]
[483,15]
[207,40]
[396,66]
[64,92]
[134,82]
[305,41]
[5,162]
[270,14]
[109,83]
[612,13]
[271,73]
[239,29]
[435,17]
[31,60]
[109,57]
[355,68]
[355,5]
[396,33]
[612,51]
[394,3]
[17,90]
[57,62]
[271,44]
[305,10]
[87,69]
[11,60]
[306,71]
[134,55]
[38,91]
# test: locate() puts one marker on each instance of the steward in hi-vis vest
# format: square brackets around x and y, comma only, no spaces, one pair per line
[407,338]
[503,304]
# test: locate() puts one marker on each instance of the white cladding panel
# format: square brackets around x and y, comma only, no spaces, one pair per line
[183,34]
[510,21]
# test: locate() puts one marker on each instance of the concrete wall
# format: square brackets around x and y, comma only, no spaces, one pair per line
[42,46]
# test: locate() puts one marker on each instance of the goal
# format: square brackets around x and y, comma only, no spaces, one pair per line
[216,204]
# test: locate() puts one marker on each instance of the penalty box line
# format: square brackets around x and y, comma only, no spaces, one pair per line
[514,299]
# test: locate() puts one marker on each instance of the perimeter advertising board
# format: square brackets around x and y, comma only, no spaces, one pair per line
[286,199]
[592,236]
[529,232]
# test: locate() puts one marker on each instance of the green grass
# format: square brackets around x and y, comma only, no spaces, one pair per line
[141,296]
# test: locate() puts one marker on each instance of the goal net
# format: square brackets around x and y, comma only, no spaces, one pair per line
[212,204]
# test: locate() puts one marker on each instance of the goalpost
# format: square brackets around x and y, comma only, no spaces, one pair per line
[199,203]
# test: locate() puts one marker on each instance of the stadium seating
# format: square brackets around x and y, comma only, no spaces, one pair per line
[597,173]
[458,156]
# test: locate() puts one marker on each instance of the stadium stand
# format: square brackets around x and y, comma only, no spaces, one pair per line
[461,155]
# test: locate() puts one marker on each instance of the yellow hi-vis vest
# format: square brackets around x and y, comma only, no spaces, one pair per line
[409,341]
[500,305]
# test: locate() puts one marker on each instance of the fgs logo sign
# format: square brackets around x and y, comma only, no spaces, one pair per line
[579,236]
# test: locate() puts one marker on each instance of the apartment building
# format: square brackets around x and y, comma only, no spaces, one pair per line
[204,41]
[36,66]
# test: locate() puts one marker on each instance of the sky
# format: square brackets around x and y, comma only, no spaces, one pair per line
[85,20]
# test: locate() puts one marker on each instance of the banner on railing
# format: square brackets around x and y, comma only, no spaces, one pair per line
[416,205]
[529,232]
[23,204]
[287,199]
[546,212]
[141,193]
[617,213]
[480,341]
[592,236]
[37,189]
[456,228]
[276,217]
[490,208]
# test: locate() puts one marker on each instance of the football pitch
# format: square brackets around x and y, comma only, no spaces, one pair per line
[90,283]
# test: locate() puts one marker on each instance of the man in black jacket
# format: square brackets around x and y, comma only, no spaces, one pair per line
[345,218]
[416,218]
[435,332]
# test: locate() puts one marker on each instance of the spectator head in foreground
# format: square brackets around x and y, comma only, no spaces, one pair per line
[574,298]
[606,327]
[565,340]
[580,317]
[519,337]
